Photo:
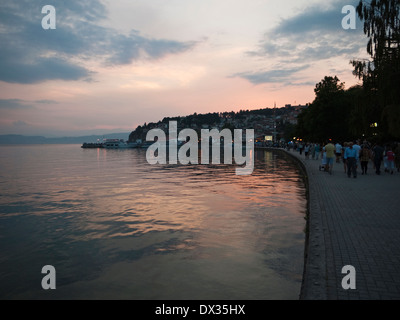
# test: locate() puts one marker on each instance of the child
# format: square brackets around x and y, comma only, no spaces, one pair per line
[323,162]
[390,160]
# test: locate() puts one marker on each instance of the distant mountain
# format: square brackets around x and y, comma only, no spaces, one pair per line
[21,139]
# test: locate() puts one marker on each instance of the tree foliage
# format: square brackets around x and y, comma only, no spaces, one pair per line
[381,74]
[327,117]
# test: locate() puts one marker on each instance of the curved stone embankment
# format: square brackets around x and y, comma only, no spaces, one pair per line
[314,273]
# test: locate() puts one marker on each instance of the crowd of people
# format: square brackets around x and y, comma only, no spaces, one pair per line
[352,154]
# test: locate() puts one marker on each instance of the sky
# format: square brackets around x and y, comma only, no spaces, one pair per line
[111,65]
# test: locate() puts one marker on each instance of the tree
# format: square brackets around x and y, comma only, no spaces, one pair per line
[327,87]
[381,75]
[326,118]
[289,131]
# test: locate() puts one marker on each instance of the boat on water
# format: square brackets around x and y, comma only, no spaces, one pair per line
[92,145]
[116,144]
[112,144]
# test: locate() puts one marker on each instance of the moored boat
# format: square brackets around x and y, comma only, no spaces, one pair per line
[115,144]
[92,145]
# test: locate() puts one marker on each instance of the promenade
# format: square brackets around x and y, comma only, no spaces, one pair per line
[352,222]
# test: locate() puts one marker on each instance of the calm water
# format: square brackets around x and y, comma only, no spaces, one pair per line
[115,227]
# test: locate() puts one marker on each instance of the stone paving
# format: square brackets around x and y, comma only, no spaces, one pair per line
[352,222]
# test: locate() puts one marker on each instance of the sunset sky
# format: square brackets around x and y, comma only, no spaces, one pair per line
[111,65]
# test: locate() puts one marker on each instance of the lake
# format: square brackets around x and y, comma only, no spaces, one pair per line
[115,227]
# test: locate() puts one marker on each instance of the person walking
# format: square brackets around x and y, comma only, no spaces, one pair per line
[338,151]
[357,147]
[351,156]
[312,150]
[385,162]
[390,160]
[323,161]
[330,155]
[317,150]
[301,148]
[397,157]
[365,156]
[307,151]
[345,146]
[378,157]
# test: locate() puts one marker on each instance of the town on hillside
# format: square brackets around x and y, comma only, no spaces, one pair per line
[271,125]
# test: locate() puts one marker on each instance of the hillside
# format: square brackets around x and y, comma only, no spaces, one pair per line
[263,121]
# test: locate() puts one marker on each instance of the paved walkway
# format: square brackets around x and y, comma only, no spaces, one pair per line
[352,222]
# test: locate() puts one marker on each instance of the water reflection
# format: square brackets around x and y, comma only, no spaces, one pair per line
[109,220]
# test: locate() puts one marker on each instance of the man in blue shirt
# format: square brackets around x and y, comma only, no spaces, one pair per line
[351,156]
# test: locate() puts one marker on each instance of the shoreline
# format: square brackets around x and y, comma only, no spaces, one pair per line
[313,255]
